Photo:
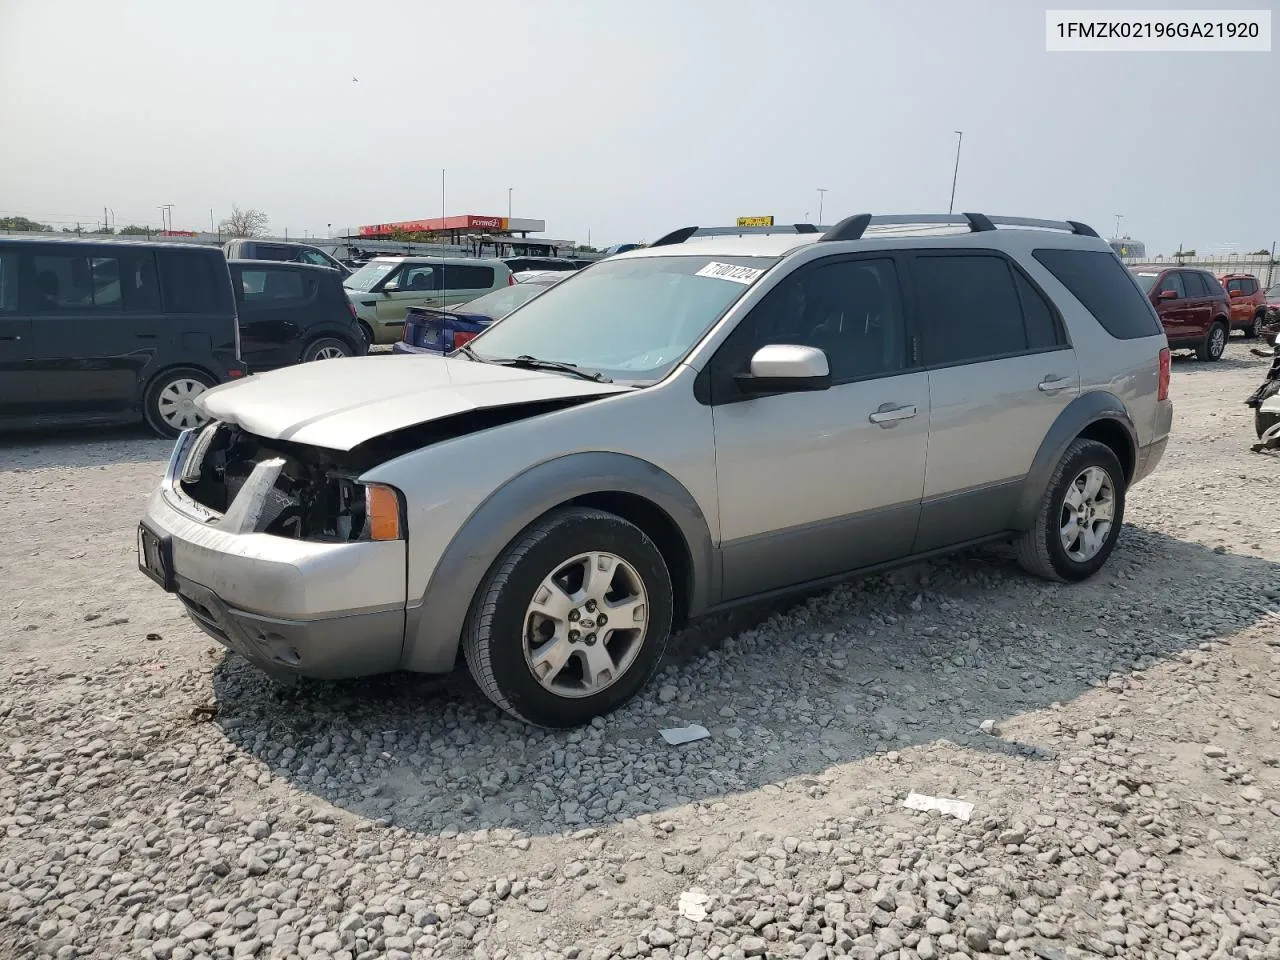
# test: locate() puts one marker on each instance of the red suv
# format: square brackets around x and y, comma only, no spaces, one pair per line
[1248,301]
[1192,305]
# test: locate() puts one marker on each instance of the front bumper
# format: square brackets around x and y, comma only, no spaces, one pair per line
[324,610]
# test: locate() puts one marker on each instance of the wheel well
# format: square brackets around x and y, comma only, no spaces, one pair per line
[1115,436]
[662,530]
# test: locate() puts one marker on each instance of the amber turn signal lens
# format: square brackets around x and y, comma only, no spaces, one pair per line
[383,509]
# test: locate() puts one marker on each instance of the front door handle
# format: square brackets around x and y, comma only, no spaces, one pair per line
[12,337]
[887,414]
[1052,384]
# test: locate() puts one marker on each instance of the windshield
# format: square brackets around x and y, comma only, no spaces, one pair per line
[1146,280]
[628,319]
[501,302]
[367,276]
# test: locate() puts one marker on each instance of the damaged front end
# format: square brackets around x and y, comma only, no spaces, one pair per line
[251,484]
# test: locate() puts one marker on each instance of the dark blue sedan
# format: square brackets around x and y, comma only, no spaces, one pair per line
[431,330]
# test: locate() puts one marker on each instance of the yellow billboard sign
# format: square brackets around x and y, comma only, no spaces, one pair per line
[755,221]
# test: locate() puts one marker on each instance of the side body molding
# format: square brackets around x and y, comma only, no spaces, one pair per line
[1086,410]
[433,626]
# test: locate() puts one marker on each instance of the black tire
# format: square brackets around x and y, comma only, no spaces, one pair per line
[1215,342]
[366,331]
[1252,329]
[1040,550]
[320,348]
[157,403]
[493,638]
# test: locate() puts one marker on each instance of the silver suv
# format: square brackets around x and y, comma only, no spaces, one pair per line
[723,415]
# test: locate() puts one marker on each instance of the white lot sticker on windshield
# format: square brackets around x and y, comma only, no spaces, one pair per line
[729,271]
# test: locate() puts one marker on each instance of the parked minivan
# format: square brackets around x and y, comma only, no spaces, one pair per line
[283,251]
[385,287]
[111,331]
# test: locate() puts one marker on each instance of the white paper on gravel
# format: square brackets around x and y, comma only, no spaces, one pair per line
[678,735]
[693,904]
[960,809]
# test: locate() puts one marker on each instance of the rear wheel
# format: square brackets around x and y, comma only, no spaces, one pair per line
[572,619]
[1215,342]
[326,348]
[1252,329]
[366,331]
[169,405]
[1080,515]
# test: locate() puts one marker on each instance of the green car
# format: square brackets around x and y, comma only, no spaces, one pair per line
[385,287]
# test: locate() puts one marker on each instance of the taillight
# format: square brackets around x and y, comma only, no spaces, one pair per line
[234,373]
[459,338]
[405,336]
[1163,392]
[352,307]
[511,279]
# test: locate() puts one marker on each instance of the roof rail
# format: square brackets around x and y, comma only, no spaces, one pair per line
[852,228]
[684,233]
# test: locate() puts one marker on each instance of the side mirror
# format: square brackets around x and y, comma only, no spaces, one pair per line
[785,368]
[1167,295]
[390,287]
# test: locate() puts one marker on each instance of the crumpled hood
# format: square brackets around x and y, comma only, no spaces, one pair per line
[341,403]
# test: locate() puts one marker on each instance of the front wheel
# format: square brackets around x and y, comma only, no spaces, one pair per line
[1214,343]
[1080,515]
[169,404]
[572,619]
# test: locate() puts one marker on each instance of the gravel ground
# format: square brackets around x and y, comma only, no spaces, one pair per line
[1117,739]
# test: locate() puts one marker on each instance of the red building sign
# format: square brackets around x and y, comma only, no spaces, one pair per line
[436,225]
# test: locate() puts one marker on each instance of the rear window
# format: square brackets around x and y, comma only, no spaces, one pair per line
[461,277]
[194,282]
[1105,288]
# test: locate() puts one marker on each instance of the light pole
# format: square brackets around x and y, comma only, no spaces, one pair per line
[956,174]
[509,203]
[166,208]
[821,196]
[1119,217]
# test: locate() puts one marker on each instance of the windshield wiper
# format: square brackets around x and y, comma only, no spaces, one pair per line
[526,362]
[470,354]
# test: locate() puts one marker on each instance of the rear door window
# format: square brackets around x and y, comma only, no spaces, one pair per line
[8,281]
[1193,282]
[466,277]
[969,308]
[1213,284]
[275,288]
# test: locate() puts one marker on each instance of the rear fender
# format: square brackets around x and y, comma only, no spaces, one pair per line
[1080,414]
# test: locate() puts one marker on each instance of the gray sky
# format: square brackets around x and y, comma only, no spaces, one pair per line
[624,118]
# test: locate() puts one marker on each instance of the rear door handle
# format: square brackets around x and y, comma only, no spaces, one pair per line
[13,336]
[1052,384]
[887,414]
[145,336]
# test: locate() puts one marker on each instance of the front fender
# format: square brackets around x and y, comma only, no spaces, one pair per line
[1083,412]
[434,624]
